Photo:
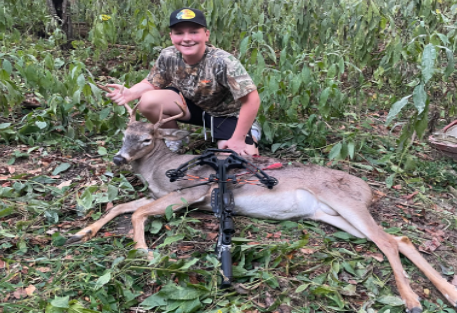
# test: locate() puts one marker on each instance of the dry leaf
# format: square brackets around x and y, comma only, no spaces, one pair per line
[64,184]
[377,256]
[30,290]
[409,197]
[51,231]
[11,169]
[4,177]
[20,293]
[109,206]
[43,269]
[211,236]
[307,251]
[398,187]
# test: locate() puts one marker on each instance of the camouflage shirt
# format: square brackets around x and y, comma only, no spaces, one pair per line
[215,84]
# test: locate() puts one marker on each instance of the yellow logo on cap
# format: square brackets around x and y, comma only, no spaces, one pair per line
[185,14]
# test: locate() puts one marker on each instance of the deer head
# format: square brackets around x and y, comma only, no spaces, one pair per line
[140,138]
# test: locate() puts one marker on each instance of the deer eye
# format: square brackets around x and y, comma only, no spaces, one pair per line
[147,141]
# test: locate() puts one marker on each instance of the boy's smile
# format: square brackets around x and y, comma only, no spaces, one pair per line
[190,39]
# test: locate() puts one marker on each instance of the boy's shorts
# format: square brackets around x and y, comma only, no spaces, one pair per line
[222,128]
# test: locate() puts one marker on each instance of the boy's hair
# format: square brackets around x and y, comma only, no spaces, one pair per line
[187,15]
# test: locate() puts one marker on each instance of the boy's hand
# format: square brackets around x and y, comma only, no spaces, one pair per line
[239,146]
[120,95]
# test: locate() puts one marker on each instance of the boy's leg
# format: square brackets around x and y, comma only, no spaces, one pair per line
[151,101]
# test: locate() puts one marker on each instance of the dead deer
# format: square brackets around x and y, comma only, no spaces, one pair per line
[304,191]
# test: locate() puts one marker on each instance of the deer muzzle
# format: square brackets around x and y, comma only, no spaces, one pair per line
[119,160]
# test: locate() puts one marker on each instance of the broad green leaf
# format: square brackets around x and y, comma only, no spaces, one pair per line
[155,227]
[58,63]
[390,300]
[342,235]
[81,80]
[390,181]
[169,212]
[58,240]
[6,212]
[102,151]
[61,302]
[351,149]
[4,125]
[244,46]
[419,98]
[7,66]
[396,108]
[153,301]
[335,152]
[302,287]
[41,125]
[62,167]
[112,192]
[428,62]
[171,239]
[102,280]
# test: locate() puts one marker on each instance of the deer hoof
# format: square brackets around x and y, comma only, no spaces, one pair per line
[78,238]
[415,310]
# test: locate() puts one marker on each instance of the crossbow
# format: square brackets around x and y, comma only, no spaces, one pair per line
[222,200]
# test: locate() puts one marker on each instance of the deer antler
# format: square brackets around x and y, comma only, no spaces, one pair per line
[127,107]
[171,118]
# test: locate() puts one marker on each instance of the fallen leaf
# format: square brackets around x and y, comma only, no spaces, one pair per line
[51,231]
[2,264]
[409,197]
[20,293]
[398,187]
[68,257]
[429,246]
[277,234]
[307,251]
[377,256]
[30,290]
[11,169]
[211,235]
[43,269]
[4,177]
[427,293]
[109,206]
[352,282]
[64,184]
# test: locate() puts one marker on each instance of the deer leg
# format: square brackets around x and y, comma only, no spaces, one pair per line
[389,246]
[158,207]
[361,219]
[407,249]
[90,231]
[338,222]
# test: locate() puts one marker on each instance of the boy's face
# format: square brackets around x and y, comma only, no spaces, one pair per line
[190,39]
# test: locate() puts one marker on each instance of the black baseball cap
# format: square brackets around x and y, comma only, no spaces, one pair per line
[187,15]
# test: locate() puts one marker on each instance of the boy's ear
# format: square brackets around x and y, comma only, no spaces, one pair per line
[171,133]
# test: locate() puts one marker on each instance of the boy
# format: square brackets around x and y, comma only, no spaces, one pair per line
[218,91]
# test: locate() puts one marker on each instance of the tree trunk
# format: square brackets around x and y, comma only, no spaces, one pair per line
[60,11]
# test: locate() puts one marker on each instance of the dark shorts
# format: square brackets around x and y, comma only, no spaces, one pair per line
[223,127]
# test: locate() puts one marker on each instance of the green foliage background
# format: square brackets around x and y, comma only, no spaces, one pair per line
[316,63]
[313,61]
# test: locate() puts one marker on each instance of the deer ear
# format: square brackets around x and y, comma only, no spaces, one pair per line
[171,133]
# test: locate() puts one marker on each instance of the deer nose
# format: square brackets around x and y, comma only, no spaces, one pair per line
[118,160]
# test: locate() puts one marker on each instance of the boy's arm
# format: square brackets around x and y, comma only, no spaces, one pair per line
[249,107]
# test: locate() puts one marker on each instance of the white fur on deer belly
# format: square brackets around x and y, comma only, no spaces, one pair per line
[280,205]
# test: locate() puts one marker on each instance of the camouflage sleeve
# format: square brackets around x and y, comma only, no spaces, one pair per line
[236,78]
[158,76]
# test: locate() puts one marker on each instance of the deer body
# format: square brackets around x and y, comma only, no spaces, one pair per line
[303,192]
